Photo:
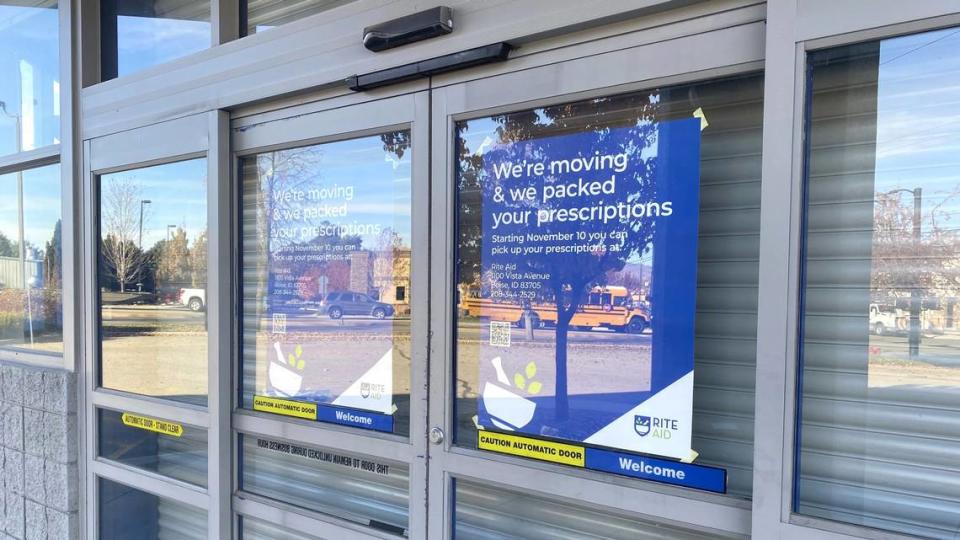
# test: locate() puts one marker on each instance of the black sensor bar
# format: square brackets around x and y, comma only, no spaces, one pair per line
[425,68]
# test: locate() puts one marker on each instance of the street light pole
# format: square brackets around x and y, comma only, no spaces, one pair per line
[915,298]
[22,252]
[140,239]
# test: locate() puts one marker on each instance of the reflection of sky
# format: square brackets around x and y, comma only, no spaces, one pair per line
[41,200]
[29,84]
[918,119]
[145,42]
[178,196]
[381,184]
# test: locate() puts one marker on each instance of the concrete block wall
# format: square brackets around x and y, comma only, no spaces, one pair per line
[39,483]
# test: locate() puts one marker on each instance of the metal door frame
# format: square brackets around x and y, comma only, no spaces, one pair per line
[721,51]
[341,118]
[201,135]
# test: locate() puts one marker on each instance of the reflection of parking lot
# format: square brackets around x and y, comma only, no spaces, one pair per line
[938,363]
[473,330]
[598,361]
[151,314]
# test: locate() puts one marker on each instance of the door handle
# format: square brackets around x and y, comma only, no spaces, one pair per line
[436,435]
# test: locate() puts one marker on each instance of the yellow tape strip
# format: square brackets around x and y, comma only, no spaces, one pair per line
[286,407]
[152,424]
[567,454]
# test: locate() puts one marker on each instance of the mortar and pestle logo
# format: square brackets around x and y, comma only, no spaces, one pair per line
[507,410]
[284,372]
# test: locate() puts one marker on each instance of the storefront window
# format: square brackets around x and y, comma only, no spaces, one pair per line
[593,318]
[366,490]
[252,529]
[326,247]
[161,446]
[137,35]
[493,513]
[880,379]
[29,75]
[127,513]
[262,15]
[31,291]
[152,281]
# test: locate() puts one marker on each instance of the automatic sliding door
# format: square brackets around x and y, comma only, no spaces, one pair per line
[333,296]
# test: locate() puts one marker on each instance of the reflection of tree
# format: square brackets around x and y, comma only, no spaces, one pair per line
[171,257]
[198,261]
[8,248]
[631,281]
[53,259]
[283,170]
[901,262]
[530,135]
[177,261]
[120,205]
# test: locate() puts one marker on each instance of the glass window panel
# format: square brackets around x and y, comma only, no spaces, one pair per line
[252,529]
[167,448]
[262,15]
[726,275]
[138,34]
[326,244]
[358,488]
[129,514]
[152,281]
[880,354]
[29,75]
[31,309]
[495,513]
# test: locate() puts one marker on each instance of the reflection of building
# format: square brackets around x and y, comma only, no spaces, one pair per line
[360,271]
[11,272]
[384,275]
[391,278]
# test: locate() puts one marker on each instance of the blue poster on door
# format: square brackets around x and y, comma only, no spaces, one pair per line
[587,288]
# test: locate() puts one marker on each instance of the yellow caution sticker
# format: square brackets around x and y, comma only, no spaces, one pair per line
[286,407]
[566,454]
[152,424]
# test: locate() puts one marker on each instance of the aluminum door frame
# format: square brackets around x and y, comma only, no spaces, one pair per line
[342,117]
[795,30]
[201,135]
[723,51]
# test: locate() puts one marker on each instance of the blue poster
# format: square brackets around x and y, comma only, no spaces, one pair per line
[589,246]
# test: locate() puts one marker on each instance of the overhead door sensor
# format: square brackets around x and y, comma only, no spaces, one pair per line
[416,27]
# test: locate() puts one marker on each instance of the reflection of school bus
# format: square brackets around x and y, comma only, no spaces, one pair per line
[604,307]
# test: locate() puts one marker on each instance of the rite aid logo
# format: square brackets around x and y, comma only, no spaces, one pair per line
[658,427]
[371,390]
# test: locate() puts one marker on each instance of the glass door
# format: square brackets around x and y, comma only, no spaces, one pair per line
[593,296]
[154,357]
[331,214]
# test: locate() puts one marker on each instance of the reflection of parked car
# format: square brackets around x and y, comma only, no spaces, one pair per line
[195,299]
[338,304]
[884,319]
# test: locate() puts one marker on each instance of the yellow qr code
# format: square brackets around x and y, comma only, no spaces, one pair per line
[499,334]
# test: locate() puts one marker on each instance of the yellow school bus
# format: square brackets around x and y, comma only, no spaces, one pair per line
[605,307]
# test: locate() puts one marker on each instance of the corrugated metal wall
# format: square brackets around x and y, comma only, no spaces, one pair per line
[377,500]
[727,274]
[492,513]
[252,529]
